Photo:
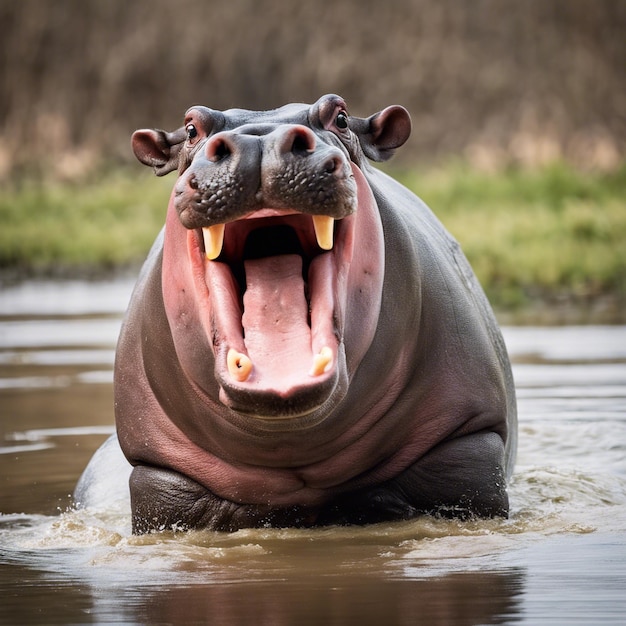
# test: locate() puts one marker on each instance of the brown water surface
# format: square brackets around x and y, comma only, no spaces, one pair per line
[559,559]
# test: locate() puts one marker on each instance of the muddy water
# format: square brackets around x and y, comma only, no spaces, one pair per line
[559,559]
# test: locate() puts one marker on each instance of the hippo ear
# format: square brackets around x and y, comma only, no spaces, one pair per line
[383,132]
[158,148]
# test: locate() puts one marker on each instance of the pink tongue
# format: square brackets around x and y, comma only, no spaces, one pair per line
[275,318]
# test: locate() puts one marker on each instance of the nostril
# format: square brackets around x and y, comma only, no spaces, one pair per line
[332,165]
[217,149]
[301,144]
[299,141]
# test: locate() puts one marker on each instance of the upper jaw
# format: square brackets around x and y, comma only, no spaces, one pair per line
[323,227]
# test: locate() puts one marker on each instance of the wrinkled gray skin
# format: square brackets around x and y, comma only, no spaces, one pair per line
[415,411]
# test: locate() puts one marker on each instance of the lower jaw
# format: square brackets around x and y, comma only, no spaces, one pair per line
[304,409]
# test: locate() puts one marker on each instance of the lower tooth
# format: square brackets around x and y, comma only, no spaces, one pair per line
[239,365]
[321,361]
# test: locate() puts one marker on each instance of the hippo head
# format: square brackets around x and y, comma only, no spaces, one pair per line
[273,240]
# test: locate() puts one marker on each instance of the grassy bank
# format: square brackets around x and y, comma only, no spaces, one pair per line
[88,228]
[552,235]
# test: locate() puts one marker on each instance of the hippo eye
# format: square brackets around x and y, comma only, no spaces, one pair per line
[192,131]
[341,121]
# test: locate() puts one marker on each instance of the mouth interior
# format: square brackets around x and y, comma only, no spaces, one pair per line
[271,286]
[279,302]
[265,237]
[268,241]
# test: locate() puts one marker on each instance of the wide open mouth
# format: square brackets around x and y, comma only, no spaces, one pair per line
[272,286]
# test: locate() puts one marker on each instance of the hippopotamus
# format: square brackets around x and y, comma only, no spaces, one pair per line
[306,345]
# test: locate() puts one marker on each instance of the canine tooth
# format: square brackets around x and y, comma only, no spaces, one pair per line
[239,365]
[323,226]
[321,361]
[213,240]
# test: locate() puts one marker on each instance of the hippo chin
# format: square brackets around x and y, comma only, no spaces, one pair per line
[306,344]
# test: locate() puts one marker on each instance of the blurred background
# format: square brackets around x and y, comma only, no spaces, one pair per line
[494,81]
[518,109]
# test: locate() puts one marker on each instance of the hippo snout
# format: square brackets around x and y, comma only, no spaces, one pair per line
[286,167]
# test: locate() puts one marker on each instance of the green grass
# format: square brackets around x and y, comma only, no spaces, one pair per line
[63,228]
[547,234]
